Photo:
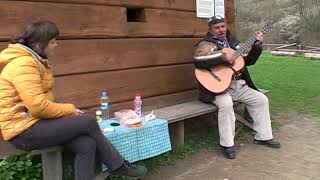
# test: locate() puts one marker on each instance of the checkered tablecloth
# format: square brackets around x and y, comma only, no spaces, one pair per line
[139,143]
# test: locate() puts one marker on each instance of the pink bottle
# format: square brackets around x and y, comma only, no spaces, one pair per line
[137,104]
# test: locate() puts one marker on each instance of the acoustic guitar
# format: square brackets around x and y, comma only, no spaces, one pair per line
[219,78]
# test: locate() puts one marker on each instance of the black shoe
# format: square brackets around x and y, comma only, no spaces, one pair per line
[229,152]
[270,143]
[130,170]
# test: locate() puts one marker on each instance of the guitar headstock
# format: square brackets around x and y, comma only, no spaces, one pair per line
[267,28]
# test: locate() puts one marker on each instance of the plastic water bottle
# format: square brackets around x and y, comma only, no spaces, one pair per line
[104,100]
[137,104]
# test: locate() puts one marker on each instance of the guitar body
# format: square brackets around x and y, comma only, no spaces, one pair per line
[219,79]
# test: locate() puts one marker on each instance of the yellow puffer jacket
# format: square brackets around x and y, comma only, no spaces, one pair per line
[26,83]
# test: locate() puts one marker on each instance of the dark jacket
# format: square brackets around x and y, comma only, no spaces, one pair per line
[253,55]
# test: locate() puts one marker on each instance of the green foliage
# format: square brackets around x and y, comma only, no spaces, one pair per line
[289,29]
[68,173]
[295,20]
[294,83]
[20,168]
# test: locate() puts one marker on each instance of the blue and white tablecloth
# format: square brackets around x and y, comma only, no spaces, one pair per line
[136,144]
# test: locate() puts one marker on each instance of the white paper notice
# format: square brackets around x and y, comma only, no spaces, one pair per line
[219,8]
[209,8]
[205,8]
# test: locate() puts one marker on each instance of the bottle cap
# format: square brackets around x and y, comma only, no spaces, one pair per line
[138,95]
[104,93]
[98,113]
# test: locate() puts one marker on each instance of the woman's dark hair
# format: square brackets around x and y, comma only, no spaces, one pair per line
[40,32]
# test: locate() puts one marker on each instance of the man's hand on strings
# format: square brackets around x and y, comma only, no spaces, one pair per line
[228,57]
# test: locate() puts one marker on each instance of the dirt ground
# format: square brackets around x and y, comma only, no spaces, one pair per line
[298,159]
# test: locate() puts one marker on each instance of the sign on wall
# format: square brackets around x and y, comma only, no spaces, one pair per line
[209,8]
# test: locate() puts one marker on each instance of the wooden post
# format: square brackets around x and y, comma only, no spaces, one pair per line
[243,120]
[177,134]
[52,165]
[102,176]
[230,16]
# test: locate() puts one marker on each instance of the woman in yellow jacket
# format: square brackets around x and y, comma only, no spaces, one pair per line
[29,117]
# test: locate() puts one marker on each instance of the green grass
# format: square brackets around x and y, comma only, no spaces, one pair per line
[294,83]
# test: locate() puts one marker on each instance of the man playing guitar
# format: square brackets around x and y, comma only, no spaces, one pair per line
[241,88]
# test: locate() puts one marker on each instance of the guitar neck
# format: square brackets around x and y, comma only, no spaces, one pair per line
[244,47]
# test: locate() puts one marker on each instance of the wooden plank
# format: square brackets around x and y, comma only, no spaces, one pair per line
[52,165]
[297,50]
[286,45]
[72,19]
[84,90]
[168,23]
[312,56]
[184,111]
[180,112]
[98,21]
[7,149]
[46,150]
[283,53]
[83,56]
[230,16]
[102,175]
[243,120]
[188,5]
[155,102]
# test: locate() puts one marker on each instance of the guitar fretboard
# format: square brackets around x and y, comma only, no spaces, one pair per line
[244,47]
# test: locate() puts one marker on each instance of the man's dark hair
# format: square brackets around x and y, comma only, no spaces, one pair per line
[37,32]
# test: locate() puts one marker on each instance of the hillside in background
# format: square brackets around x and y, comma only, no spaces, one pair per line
[294,20]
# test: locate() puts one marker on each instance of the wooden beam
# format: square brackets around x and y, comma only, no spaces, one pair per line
[284,46]
[72,19]
[100,55]
[184,5]
[156,102]
[311,56]
[230,16]
[168,23]
[283,53]
[98,21]
[85,89]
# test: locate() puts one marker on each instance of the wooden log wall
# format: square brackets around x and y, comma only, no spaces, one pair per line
[99,50]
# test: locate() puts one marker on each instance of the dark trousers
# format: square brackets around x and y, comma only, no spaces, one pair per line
[80,134]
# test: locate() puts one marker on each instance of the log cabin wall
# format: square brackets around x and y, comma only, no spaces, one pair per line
[121,46]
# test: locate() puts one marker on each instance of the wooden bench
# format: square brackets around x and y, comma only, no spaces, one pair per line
[52,157]
[176,115]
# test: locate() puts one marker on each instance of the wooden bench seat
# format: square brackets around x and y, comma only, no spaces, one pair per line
[51,159]
[176,115]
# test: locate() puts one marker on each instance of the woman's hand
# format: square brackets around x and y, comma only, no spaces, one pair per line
[79,112]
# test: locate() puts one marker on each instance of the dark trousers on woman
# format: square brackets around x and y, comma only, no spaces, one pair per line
[81,134]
